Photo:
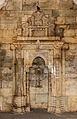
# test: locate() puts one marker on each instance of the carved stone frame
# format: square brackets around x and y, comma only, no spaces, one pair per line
[56,62]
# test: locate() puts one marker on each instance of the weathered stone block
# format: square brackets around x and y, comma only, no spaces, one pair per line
[5,92]
[65,4]
[1,33]
[56,4]
[69,33]
[55,13]
[67,13]
[7,103]
[60,20]
[76,32]
[70,20]
[0,82]
[14,5]
[70,39]
[1,100]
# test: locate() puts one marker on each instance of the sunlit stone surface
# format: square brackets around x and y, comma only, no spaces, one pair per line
[2,3]
[75,1]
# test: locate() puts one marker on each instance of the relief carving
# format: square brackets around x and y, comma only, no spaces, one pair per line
[38,25]
[38,19]
[41,24]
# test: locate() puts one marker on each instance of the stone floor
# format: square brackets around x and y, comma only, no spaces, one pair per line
[38,115]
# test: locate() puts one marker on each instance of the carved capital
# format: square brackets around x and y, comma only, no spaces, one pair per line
[18,47]
[58,45]
[12,47]
[57,53]
[65,46]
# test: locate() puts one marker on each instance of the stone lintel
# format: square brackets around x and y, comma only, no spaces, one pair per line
[33,45]
[38,38]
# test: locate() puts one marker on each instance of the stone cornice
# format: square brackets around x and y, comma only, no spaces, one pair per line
[19,38]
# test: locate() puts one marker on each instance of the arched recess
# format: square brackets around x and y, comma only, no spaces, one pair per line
[38,82]
[38,55]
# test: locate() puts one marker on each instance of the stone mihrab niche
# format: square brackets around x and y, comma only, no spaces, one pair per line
[38,54]
[35,66]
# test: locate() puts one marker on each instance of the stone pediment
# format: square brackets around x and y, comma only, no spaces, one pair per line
[37,26]
[40,25]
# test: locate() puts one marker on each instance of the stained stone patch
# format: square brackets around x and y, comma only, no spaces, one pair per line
[0,83]
[1,103]
[28,5]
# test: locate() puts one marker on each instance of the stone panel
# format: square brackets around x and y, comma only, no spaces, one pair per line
[55,4]
[71,77]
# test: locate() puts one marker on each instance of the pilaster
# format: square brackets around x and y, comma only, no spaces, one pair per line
[19,98]
[27,90]
[57,74]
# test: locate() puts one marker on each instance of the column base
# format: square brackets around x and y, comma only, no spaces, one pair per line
[27,109]
[18,110]
[51,109]
[19,104]
[58,111]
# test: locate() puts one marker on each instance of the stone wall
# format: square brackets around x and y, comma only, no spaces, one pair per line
[6,77]
[63,13]
[71,76]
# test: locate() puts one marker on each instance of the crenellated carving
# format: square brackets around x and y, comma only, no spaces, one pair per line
[38,18]
[38,25]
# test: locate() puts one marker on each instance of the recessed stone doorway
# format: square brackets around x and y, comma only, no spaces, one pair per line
[38,84]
